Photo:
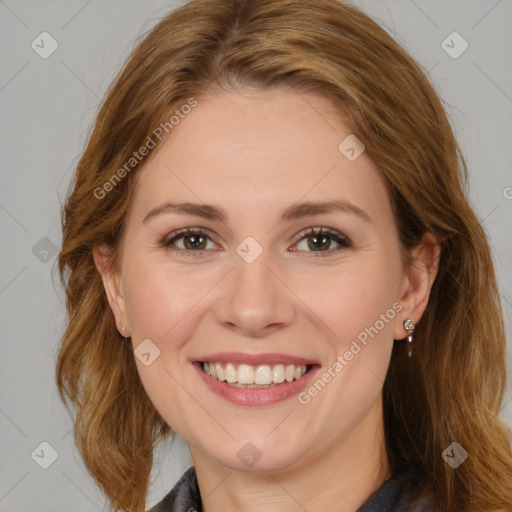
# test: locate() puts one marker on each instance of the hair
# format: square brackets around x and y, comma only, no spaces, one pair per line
[451,390]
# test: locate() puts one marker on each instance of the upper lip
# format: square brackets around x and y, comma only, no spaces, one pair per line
[254,359]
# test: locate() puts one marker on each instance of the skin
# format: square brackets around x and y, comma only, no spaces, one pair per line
[253,154]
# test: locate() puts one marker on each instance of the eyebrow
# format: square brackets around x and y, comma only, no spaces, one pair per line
[293,212]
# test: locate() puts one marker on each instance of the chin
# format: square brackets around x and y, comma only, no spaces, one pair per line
[257,455]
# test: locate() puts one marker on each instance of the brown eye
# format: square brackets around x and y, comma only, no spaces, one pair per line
[321,241]
[188,241]
[194,241]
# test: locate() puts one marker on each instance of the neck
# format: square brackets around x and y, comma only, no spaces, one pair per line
[340,477]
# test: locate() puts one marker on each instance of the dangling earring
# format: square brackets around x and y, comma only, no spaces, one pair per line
[409,326]
[123,328]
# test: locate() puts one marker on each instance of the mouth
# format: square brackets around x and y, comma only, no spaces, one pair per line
[251,380]
[250,376]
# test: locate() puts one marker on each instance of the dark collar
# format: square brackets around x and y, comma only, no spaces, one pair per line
[392,496]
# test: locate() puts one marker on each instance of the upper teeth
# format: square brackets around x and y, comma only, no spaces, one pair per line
[262,374]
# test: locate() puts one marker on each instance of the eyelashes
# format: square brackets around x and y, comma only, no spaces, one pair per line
[196,240]
[198,235]
[320,236]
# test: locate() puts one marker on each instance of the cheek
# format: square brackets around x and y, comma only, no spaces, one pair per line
[163,303]
[359,305]
[358,298]
[159,297]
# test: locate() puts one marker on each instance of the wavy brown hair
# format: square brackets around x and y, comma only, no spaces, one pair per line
[451,390]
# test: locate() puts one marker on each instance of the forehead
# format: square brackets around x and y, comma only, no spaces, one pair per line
[259,150]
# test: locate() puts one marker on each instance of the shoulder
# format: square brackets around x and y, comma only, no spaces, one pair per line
[183,497]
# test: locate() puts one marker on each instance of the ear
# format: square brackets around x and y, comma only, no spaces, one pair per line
[103,258]
[417,282]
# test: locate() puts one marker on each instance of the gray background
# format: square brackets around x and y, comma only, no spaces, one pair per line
[46,109]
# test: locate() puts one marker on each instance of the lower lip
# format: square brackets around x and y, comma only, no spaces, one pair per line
[256,396]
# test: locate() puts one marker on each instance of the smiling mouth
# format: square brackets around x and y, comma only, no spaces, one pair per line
[261,376]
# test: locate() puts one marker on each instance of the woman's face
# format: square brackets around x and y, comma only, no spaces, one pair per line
[256,287]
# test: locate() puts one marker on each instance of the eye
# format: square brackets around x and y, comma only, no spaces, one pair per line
[187,241]
[320,240]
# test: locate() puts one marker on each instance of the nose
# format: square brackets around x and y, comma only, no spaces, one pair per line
[254,299]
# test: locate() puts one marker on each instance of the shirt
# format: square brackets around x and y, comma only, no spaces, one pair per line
[392,496]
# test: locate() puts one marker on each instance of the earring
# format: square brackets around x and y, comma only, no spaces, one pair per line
[123,328]
[409,326]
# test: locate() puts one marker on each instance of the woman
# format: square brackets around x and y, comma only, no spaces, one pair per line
[268,250]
